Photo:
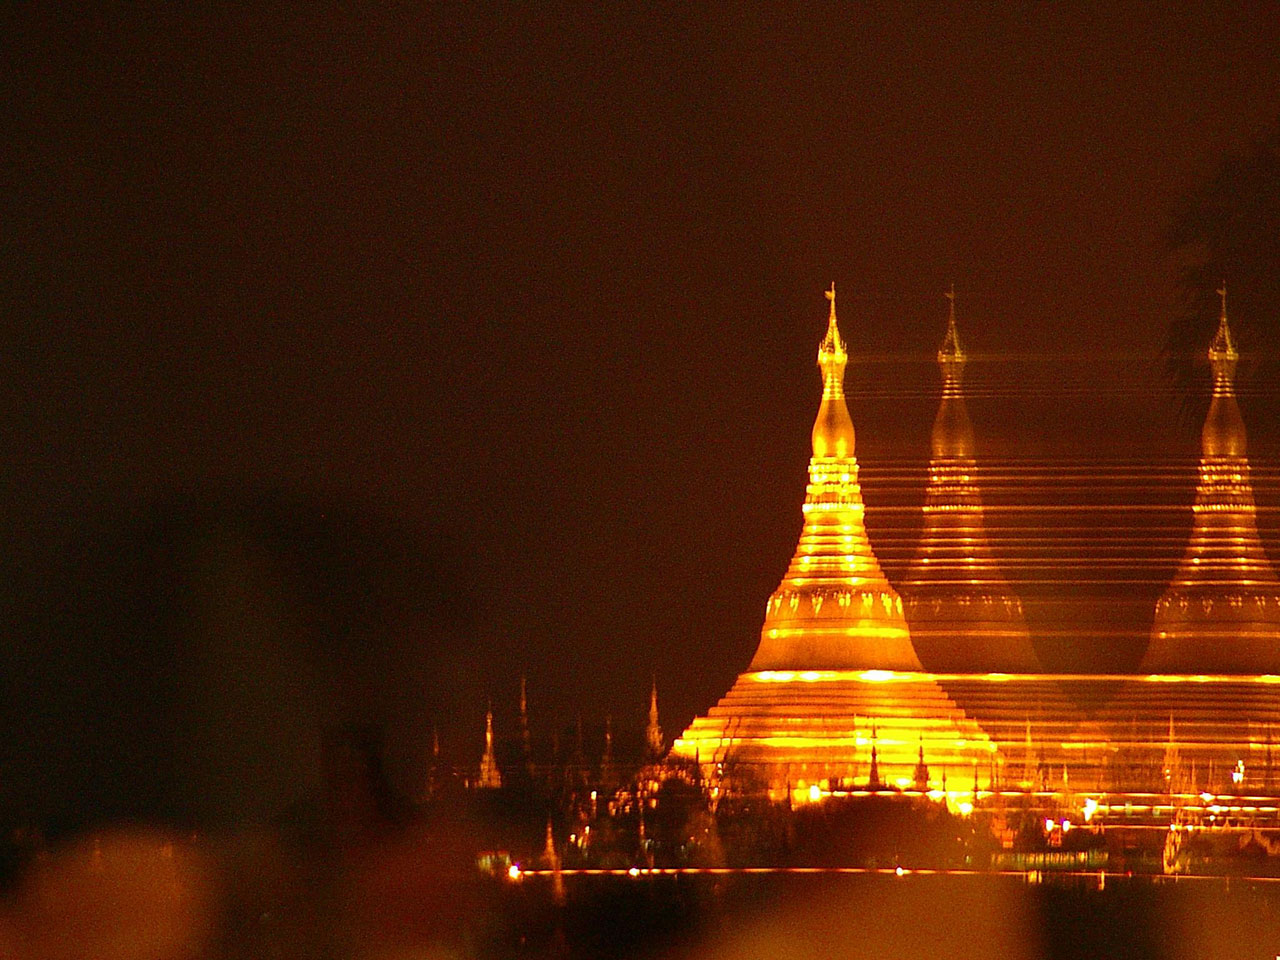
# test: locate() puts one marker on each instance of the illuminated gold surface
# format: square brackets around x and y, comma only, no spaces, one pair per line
[816,726]
[835,673]
[962,613]
[1221,613]
[834,608]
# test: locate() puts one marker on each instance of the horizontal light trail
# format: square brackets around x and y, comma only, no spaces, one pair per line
[633,873]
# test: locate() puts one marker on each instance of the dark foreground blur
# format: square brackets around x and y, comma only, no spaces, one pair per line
[145,895]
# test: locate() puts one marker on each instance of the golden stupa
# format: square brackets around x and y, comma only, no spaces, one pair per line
[964,616]
[1221,612]
[835,692]
[1210,690]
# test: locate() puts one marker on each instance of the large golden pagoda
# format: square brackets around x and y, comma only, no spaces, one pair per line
[835,677]
[964,616]
[1221,612]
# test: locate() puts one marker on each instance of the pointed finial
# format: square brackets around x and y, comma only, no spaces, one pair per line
[1222,351]
[950,351]
[832,349]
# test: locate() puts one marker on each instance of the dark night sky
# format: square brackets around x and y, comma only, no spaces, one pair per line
[416,350]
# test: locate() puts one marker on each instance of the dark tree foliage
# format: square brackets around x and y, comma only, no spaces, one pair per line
[1229,228]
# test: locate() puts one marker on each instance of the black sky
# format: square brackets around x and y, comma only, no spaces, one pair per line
[426,347]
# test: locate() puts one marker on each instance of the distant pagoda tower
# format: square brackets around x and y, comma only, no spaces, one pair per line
[1221,612]
[490,777]
[964,617]
[835,659]
[655,744]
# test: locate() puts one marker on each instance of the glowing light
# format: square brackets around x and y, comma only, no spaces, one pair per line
[877,676]
[900,872]
[633,872]
[815,793]
[513,872]
[1090,807]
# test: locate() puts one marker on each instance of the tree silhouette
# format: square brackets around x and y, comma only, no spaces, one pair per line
[1228,228]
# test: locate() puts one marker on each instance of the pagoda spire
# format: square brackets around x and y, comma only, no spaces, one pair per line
[1222,350]
[834,608]
[921,777]
[873,777]
[1221,612]
[833,434]
[949,351]
[654,742]
[490,777]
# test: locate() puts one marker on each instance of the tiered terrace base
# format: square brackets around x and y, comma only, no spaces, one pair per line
[780,728]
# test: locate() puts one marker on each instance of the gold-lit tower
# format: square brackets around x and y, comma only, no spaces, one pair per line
[835,659]
[834,609]
[490,776]
[1221,612]
[964,616]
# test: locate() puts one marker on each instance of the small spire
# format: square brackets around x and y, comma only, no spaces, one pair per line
[1223,347]
[490,777]
[653,732]
[831,352]
[873,777]
[921,777]
[950,351]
